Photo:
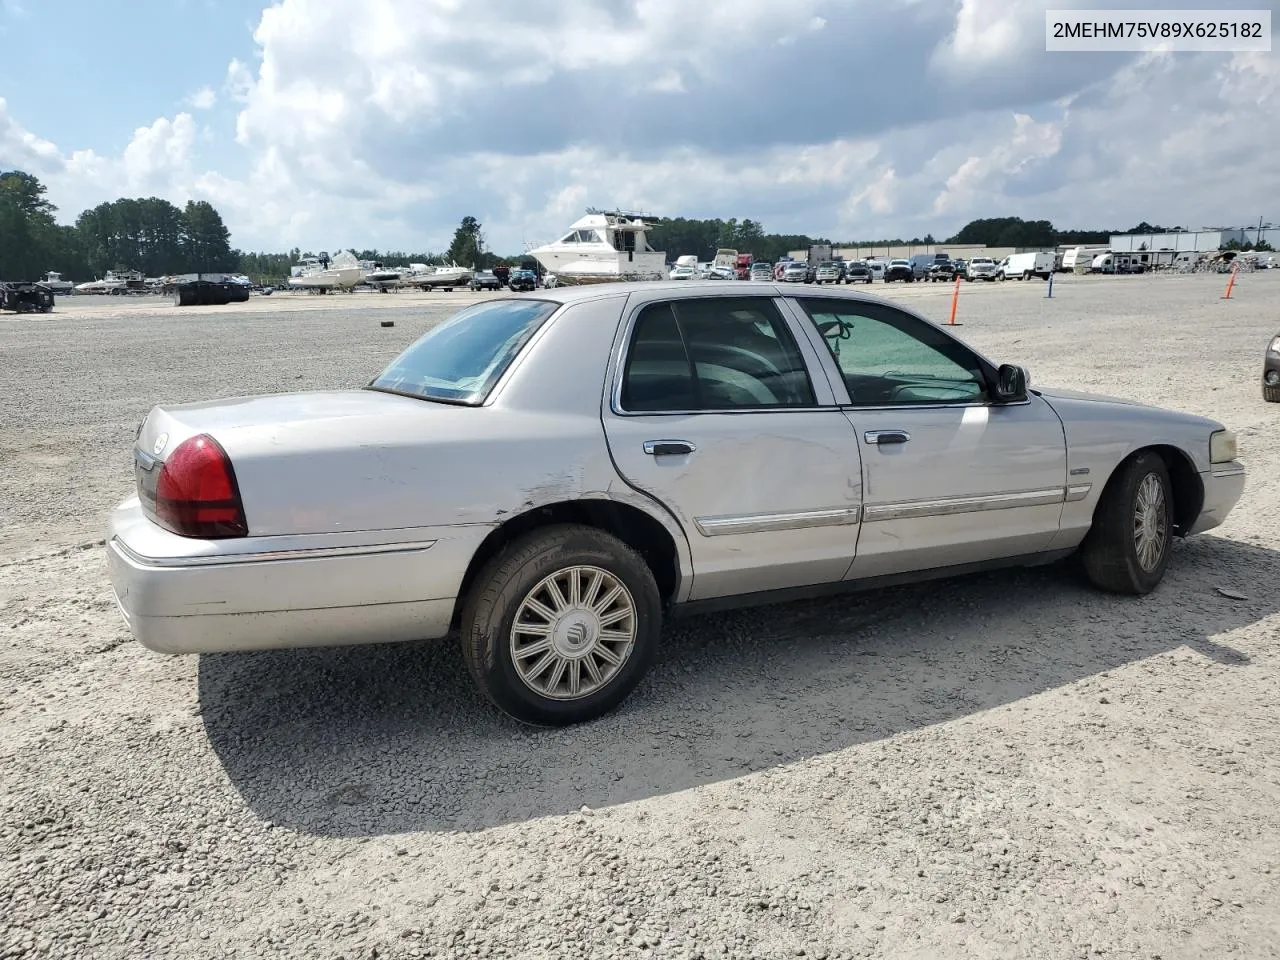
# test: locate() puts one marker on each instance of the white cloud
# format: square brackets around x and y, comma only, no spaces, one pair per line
[202,99]
[239,81]
[982,177]
[669,82]
[23,150]
[382,122]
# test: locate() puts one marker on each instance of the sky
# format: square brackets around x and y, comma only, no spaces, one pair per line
[328,124]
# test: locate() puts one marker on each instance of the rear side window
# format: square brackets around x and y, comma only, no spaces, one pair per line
[658,376]
[459,360]
[713,353]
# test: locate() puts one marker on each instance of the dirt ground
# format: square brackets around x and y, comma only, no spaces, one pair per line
[1004,765]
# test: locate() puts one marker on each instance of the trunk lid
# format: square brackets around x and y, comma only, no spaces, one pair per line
[256,432]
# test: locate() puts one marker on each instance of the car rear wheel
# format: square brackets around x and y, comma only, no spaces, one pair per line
[561,625]
[1127,548]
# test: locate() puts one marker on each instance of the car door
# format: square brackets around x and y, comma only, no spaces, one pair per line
[949,476]
[715,413]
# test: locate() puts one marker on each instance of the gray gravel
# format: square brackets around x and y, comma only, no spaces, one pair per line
[1006,765]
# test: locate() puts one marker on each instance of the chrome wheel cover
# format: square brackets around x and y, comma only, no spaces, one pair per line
[573,632]
[1150,522]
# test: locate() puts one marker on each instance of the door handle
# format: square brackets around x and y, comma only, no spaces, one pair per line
[886,436]
[668,448]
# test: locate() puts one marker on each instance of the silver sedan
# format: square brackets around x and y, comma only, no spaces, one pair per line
[553,474]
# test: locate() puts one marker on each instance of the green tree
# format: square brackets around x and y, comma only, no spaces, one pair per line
[468,244]
[207,241]
[28,234]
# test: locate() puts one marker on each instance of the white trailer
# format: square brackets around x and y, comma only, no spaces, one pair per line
[1081,257]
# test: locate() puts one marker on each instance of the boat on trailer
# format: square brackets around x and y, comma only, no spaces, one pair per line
[602,247]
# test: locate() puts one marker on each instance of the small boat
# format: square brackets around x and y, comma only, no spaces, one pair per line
[53,280]
[603,247]
[115,282]
[438,278]
[322,273]
[381,277]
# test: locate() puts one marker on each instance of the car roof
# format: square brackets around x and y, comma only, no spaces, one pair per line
[661,289]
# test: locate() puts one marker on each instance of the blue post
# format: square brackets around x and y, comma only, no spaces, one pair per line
[1050,293]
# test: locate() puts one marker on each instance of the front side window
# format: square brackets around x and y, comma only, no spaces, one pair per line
[459,360]
[713,353]
[889,358]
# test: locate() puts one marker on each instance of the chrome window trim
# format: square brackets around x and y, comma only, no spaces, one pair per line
[939,405]
[825,399]
[270,556]
[720,526]
[948,506]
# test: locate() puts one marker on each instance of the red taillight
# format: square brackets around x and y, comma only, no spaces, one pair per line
[196,493]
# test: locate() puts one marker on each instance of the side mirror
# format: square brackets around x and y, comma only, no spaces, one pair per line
[1011,384]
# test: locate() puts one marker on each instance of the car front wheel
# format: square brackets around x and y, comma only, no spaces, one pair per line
[1127,548]
[561,625]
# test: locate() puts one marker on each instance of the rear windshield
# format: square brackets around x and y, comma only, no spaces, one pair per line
[461,359]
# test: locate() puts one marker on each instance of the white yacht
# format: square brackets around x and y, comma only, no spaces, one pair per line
[322,273]
[602,247]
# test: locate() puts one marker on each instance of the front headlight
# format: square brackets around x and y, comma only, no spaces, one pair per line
[1274,346]
[1222,446]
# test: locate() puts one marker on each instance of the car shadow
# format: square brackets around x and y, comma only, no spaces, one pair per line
[373,740]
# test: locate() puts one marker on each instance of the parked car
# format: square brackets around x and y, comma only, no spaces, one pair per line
[827,272]
[721,272]
[857,271]
[683,273]
[961,266]
[981,268]
[485,280]
[522,280]
[877,268]
[942,270]
[922,263]
[797,271]
[899,270]
[1271,371]
[300,519]
[761,271]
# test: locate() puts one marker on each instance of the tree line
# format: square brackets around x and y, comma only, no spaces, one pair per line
[156,237]
[146,234]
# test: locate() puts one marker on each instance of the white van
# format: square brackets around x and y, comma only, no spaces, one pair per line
[1024,266]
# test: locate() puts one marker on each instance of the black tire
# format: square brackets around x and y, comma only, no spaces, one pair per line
[501,588]
[1271,394]
[1110,553]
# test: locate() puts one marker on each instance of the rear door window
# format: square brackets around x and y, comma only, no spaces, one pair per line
[713,353]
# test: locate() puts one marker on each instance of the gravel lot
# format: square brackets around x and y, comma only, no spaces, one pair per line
[1006,765]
